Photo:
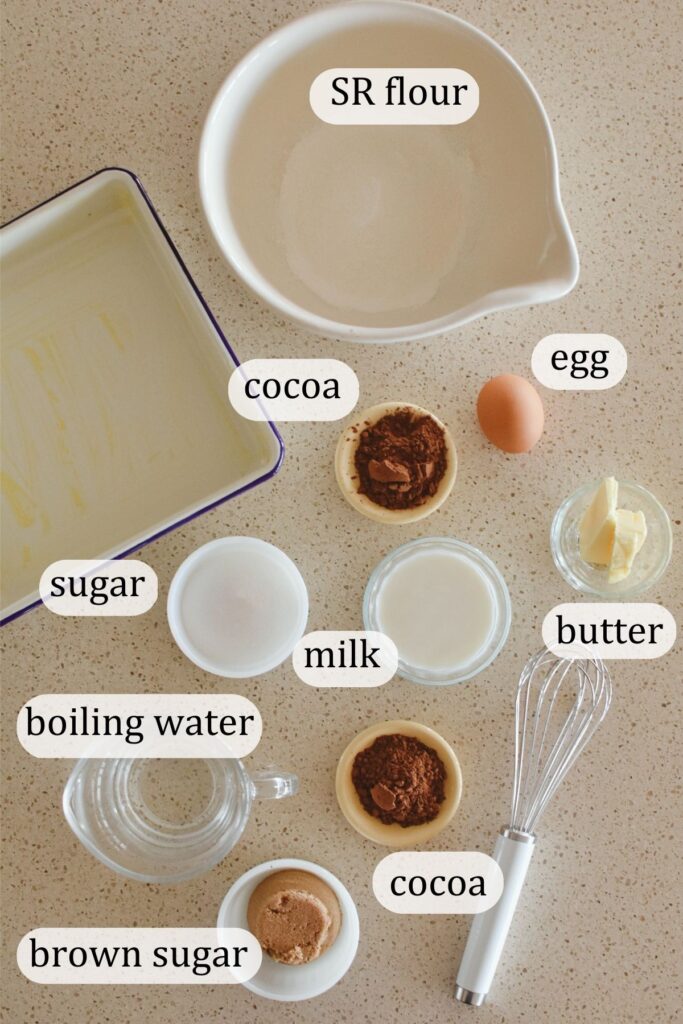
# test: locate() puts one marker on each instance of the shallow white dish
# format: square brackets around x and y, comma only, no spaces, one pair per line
[284,982]
[227,591]
[262,144]
[116,421]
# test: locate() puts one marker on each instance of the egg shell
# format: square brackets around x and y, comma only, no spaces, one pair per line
[510,413]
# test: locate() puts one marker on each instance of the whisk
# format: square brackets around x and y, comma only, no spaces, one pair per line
[560,703]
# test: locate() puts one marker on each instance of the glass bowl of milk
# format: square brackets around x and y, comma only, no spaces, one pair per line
[444,604]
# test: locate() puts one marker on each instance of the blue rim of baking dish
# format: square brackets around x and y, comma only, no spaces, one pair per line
[233,494]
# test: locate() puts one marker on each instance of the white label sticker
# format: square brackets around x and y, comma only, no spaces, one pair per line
[437,883]
[139,956]
[394,96]
[345,658]
[112,725]
[293,389]
[579,362]
[609,630]
[122,586]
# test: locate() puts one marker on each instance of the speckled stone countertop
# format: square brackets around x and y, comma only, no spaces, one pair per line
[89,84]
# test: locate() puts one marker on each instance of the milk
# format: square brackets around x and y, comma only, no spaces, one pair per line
[438,608]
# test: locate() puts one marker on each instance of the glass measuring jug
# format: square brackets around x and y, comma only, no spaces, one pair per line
[159,820]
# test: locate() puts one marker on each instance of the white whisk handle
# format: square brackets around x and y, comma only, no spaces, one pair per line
[489,930]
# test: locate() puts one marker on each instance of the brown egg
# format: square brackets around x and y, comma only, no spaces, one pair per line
[510,413]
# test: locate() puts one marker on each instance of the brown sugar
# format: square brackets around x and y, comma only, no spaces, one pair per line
[295,916]
[399,780]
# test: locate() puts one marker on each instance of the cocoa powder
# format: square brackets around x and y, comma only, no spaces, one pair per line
[401,459]
[399,780]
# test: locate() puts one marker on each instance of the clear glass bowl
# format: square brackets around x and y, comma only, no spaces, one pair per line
[650,562]
[163,820]
[500,626]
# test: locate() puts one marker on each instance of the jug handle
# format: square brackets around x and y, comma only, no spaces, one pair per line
[271,783]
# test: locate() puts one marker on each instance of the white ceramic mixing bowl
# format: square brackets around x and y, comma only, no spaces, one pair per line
[383,233]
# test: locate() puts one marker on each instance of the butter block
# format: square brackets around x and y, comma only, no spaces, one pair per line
[629,536]
[598,525]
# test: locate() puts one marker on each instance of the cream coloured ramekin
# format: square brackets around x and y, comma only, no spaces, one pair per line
[345,468]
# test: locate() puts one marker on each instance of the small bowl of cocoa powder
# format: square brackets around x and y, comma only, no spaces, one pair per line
[398,783]
[397,463]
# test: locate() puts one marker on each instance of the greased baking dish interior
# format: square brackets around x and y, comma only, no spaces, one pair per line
[116,421]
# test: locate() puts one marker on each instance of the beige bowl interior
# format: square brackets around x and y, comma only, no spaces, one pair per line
[383,226]
[395,835]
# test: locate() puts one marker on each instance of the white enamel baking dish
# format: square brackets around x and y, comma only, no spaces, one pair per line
[116,422]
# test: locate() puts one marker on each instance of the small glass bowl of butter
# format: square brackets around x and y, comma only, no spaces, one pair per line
[611,539]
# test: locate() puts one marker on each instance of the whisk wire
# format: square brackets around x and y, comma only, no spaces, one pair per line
[584,707]
[548,740]
[554,765]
